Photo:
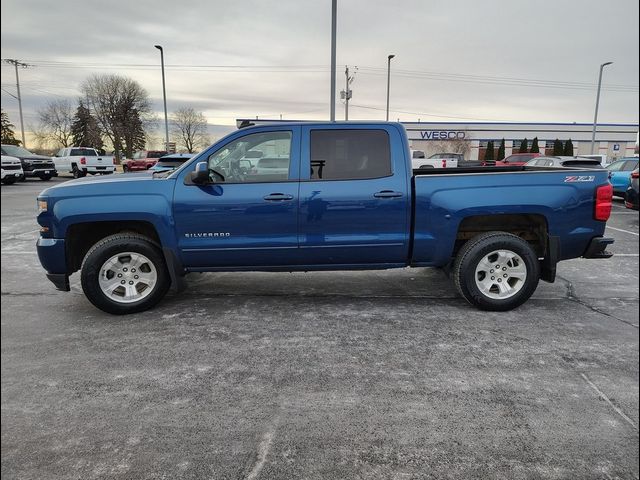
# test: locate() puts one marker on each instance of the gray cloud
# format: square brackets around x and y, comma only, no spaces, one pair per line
[558,41]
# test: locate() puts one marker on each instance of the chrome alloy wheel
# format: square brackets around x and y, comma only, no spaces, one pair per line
[501,274]
[127,277]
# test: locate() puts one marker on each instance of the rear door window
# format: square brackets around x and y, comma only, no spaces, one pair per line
[350,154]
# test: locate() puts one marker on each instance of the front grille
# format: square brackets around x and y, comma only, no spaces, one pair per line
[11,167]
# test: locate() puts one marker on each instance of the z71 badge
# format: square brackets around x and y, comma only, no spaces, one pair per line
[579,178]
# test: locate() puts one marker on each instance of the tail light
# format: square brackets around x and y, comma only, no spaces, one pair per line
[83,161]
[635,174]
[444,163]
[113,159]
[604,198]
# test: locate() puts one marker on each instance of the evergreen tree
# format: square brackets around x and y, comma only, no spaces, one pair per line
[489,152]
[534,146]
[85,130]
[558,148]
[7,134]
[568,148]
[524,146]
[501,149]
[132,133]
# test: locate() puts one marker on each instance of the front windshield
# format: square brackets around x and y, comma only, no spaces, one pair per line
[15,151]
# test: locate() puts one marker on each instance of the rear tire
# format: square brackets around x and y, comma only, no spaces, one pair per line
[99,269]
[77,173]
[496,271]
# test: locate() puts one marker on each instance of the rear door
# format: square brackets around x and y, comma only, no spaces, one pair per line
[249,219]
[354,207]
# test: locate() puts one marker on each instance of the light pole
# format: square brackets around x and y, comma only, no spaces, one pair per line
[164,96]
[388,81]
[334,14]
[595,116]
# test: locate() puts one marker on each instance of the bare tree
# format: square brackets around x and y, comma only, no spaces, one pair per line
[55,121]
[190,127]
[121,106]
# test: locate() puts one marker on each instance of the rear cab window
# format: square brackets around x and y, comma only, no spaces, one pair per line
[83,152]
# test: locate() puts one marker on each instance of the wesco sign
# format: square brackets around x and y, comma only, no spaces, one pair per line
[442,135]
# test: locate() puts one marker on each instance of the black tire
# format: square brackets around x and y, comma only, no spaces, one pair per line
[125,169]
[110,246]
[45,178]
[76,172]
[9,180]
[470,255]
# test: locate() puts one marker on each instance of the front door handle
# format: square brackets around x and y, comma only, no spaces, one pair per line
[387,194]
[278,197]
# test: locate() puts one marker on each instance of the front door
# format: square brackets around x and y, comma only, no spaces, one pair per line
[248,217]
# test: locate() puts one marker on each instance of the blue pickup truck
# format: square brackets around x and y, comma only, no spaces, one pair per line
[320,196]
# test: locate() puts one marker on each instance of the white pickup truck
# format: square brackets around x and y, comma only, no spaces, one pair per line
[419,161]
[78,161]
[11,169]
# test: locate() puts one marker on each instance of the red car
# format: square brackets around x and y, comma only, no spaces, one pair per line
[516,159]
[142,160]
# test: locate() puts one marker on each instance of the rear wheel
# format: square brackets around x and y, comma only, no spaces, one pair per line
[124,273]
[77,173]
[496,271]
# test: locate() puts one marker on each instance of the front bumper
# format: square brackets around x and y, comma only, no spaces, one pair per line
[52,255]
[597,248]
[41,172]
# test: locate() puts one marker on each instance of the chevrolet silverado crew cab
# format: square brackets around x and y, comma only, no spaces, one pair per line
[348,200]
[78,161]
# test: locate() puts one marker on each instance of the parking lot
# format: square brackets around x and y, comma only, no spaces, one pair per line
[383,374]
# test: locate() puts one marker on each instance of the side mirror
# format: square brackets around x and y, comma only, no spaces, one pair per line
[200,175]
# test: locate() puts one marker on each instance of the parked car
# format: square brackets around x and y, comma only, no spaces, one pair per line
[631,195]
[572,162]
[603,159]
[619,174]
[80,161]
[32,165]
[11,169]
[498,232]
[170,162]
[142,160]
[437,160]
[515,159]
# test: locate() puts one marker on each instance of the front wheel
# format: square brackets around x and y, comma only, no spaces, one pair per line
[45,178]
[124,273]
[9,180]
[496,271]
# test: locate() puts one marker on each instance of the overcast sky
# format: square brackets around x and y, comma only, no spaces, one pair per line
[533,61]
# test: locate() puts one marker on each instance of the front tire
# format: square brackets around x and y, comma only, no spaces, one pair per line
[9,180]
[125,273]
[496,271]
[45,178]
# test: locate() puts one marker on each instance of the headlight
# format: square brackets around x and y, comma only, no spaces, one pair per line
[42,205]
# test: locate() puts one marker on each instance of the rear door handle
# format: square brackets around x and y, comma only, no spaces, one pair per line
[278,197]
[387,194]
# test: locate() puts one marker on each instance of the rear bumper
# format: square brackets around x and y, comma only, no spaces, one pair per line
[597,248]
[100,169]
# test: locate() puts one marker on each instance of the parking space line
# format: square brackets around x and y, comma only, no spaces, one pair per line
[626,254]
[609,402]
[625,231]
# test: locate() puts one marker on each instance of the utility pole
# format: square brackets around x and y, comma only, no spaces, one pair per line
[347,93]
[332,109]
[388,81]
[17,63]
[164,97]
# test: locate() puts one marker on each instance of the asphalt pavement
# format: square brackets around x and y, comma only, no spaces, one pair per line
[359,375]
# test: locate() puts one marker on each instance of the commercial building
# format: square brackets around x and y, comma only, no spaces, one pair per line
[615,140]
[612,139]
